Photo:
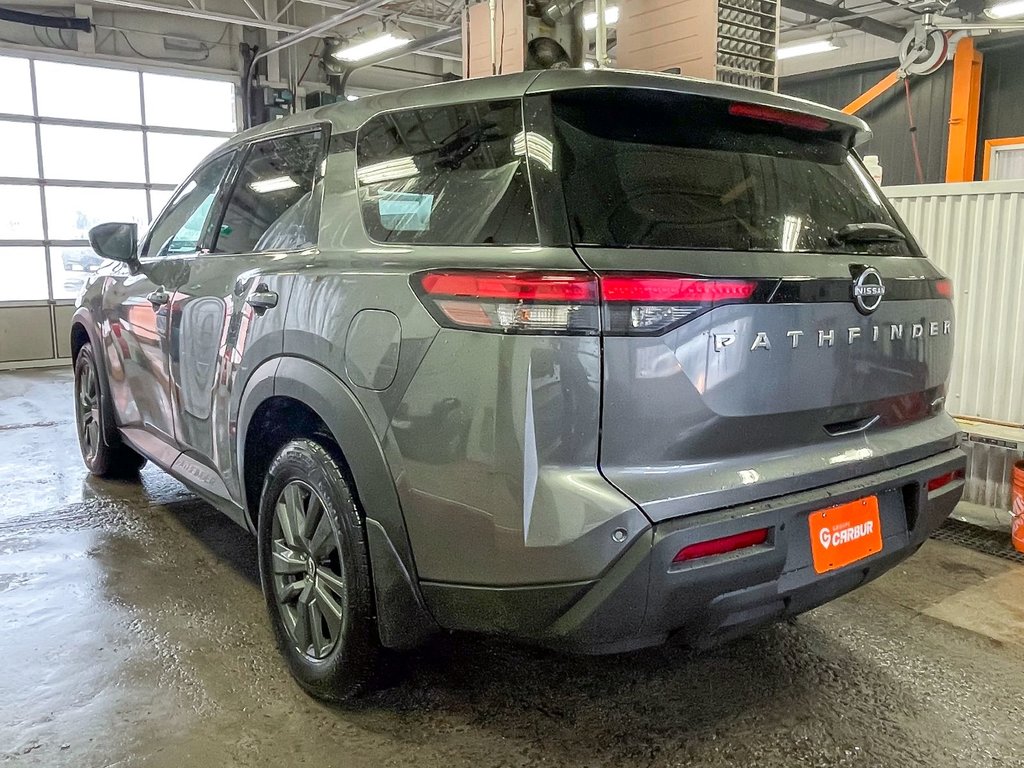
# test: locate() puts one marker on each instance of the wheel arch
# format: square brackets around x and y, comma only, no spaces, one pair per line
[312,399]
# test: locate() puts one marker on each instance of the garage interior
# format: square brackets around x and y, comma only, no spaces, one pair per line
[133,626]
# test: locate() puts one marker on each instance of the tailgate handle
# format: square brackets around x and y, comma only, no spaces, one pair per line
[839,428]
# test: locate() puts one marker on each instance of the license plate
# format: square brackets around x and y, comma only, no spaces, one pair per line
[845,534]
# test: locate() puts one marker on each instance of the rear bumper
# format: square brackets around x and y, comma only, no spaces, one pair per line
[643,599]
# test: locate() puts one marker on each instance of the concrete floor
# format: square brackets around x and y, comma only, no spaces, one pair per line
[132,633]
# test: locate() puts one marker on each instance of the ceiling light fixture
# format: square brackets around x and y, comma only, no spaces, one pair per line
[274,184]
[1006,10]
[371,47]
[806,48]
[611,16]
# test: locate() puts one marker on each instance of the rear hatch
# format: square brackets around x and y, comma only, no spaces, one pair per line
[769,324]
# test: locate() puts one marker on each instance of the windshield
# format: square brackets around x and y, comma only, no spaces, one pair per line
[654,169]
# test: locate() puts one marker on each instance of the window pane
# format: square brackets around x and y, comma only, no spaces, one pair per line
[72,211]
[270,207]
[189,102]
[447,176]
[70,268]
[87,93]
[180,228]
[92,154]
[19,147]
[20,214]
[24,271]
[158,198]
[172,157]
[17,86]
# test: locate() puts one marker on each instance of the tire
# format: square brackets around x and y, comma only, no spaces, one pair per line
[103,451]
[315,572]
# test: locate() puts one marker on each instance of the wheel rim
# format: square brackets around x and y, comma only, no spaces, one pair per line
[306,570]
[87,411]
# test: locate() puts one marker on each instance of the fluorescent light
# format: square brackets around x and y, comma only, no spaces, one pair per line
[536,146]
[1006,10]
[371,47]
[805,49]
[350,97]
[588,64]
[275,184]
[611,16]
[387,170]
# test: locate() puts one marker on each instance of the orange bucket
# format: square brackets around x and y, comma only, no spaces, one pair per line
[1017,524]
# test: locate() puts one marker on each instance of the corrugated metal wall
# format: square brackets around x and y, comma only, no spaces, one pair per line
[887,115]
[975,233]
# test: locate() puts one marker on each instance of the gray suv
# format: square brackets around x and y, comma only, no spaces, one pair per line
[587,359]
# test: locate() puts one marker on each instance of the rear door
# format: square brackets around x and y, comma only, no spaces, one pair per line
[229,306]
[769,323]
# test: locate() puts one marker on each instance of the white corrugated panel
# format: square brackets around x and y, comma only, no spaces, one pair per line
[975,233]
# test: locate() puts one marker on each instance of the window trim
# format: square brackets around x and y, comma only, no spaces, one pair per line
[992,146]
[221,205]
[232,166]
[446,105]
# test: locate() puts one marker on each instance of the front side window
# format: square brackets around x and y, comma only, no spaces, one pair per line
[452,175]
[654,169]
[273,206]
[180,227]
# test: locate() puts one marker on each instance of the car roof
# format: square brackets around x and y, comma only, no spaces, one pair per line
[350,115]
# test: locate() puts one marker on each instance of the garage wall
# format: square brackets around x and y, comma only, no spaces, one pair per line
[887,115]
[82,145]
[972,232]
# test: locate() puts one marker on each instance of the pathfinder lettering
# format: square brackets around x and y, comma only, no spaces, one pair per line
[762,340]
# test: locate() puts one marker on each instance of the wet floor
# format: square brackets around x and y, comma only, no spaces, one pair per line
[132,633]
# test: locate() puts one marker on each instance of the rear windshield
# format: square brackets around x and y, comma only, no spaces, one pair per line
[652,169]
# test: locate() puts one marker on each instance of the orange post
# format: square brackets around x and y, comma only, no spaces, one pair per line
[872,93]
[963,112]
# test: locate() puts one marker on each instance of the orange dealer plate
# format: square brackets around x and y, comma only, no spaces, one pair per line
[845,534]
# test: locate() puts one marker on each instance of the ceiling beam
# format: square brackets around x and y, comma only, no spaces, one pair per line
[865,24]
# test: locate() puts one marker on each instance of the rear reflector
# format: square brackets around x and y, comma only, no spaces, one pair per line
[722,545]
[945,288]
[779,116]
[943,480]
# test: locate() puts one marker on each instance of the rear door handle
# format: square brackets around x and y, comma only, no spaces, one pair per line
[262,299]
[159,297]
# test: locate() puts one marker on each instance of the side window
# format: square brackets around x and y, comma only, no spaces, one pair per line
[273,206]
[180,227]
[452,175]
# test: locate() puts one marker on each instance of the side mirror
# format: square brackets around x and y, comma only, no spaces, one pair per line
[116,241]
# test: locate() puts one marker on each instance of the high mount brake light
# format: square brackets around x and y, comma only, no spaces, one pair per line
[567,302]
[779,116]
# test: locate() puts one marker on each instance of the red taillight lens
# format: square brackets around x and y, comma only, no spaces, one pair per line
[945,288]
[646,304]
[512,302]
[943,480]
[722,545]
[779,116]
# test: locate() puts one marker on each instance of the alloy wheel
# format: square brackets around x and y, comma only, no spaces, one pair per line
[87,411]
[306,570]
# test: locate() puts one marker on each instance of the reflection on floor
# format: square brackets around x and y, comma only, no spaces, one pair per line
[132,633]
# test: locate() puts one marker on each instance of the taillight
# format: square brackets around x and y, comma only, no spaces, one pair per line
[722,546]
[945,288]
[646,304]
[512,302]
[779,116]
[943,480]
[567,302]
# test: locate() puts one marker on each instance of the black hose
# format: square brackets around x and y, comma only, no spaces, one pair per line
[40,20]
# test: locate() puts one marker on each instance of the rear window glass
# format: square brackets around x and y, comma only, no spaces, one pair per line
[451,175]
[660,170]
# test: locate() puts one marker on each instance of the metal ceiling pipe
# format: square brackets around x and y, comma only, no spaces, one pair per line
[841,16]
[297,37]
[421,21]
